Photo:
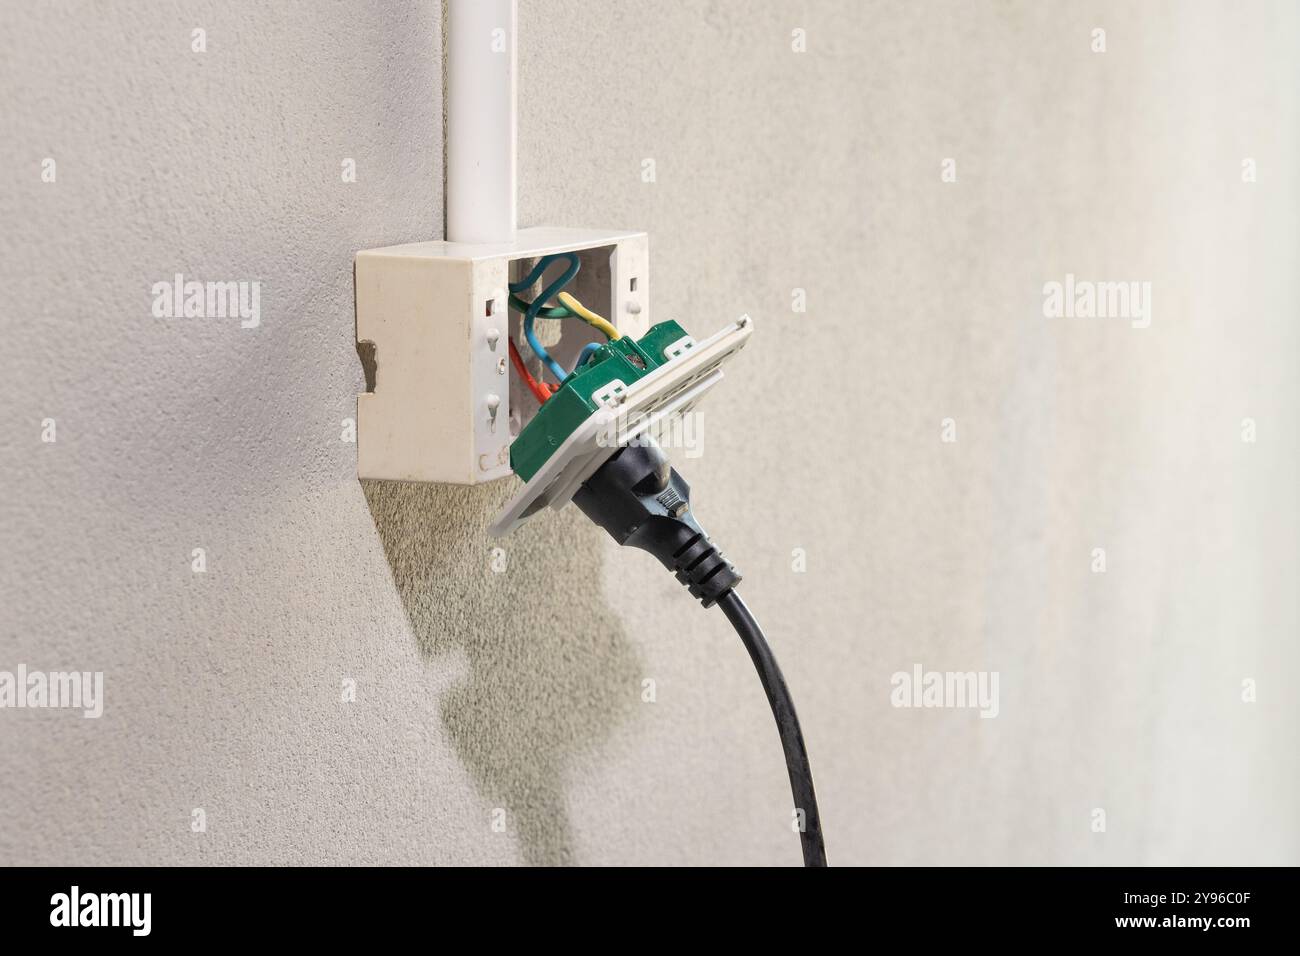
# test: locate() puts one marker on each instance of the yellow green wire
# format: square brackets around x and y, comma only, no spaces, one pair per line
[597,322]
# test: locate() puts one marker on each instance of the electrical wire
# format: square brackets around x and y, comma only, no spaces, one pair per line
[540,390]
[552,312]
[587,352]
[641,500]
[535,307]
[787,724]
[598,322]
[571,309]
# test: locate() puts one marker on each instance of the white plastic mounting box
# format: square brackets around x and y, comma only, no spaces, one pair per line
[442,401]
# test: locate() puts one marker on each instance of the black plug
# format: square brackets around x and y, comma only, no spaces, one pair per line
[641,500]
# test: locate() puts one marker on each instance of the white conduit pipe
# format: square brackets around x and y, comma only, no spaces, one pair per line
[481,94]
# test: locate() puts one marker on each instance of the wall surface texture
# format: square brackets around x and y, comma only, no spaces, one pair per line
[774,170]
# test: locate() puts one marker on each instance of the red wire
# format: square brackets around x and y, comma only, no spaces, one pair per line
[539,389]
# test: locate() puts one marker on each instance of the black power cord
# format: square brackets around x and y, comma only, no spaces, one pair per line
[787,723]
[641,500]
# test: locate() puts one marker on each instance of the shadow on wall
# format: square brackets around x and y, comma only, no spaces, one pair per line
[550,669]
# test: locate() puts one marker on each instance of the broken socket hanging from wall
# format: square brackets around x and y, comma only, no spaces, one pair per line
[433,323]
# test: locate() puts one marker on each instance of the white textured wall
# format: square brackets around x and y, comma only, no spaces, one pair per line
[775,170]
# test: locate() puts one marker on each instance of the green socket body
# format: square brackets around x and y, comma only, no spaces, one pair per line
[621,360]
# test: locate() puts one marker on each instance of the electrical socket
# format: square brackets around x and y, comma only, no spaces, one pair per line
[443,401]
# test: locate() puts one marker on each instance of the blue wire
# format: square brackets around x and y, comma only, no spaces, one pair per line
[587,351]
[540,300]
